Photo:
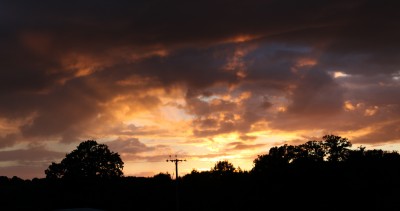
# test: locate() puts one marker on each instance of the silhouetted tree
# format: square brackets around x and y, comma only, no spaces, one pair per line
[276,161]
[162,177]
[55,171]
[311,151]
[306,156]
[337,148]
[223,168]
[4,180]
[16,179]
[88,160]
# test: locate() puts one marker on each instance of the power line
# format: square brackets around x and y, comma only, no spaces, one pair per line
[176,161]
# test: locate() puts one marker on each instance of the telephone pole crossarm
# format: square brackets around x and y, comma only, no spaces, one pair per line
[176,161]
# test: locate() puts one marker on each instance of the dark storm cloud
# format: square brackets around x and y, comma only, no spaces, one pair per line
[99,26]
[65,110]
[272,63]
[380,89]
[46,45]
[41,33]
[167,22]
[316,94]
[196,68]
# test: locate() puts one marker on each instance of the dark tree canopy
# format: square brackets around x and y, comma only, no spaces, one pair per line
[223,168]
[88,160]
[336,147]
[332,148]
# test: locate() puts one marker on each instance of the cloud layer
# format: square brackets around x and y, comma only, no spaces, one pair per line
[195,78]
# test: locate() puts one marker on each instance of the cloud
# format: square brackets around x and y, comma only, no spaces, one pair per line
[32,154]
[8,140]
[215,115]
[381,133]
[28,163]
[241,146]
[75,70]
[129,146]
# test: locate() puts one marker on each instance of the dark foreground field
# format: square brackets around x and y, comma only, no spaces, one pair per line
[241,191]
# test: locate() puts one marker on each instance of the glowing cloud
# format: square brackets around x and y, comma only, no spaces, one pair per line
[226,85]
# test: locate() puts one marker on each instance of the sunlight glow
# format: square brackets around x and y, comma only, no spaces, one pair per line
[338,74]
[243,38]
[396,76]
[7,127]
[352,134]
[371,111]
[282,109]
[226,138]
[348,106]
[139,56]
[304,62]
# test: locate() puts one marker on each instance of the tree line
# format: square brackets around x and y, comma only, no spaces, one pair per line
[315,175]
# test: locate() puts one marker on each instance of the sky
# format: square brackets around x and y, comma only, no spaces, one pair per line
[203,80]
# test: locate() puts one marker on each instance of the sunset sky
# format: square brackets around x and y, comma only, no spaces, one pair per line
[204,80]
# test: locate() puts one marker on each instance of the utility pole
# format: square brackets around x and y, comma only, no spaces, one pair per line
[176,161]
